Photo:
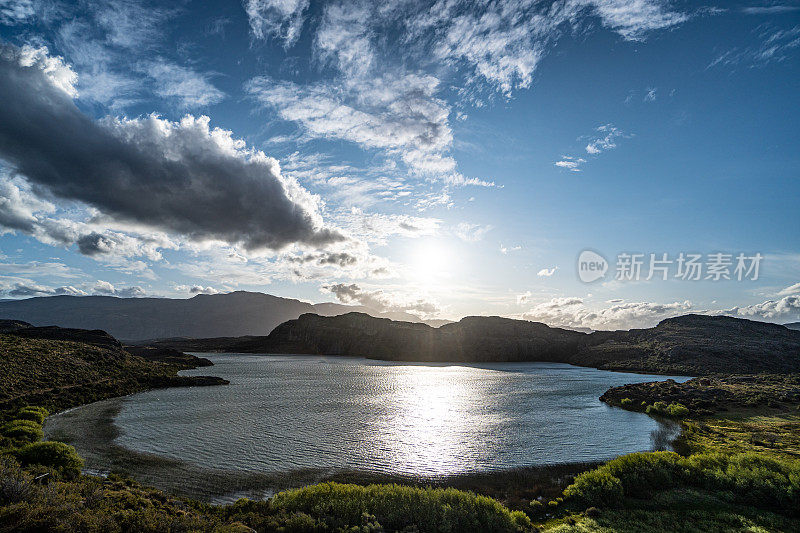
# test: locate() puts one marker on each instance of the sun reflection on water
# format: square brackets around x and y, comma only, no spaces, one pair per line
[425,430]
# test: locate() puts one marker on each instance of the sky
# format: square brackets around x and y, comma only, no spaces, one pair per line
[443,158]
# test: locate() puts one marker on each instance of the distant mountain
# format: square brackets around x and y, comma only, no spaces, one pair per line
[793,325]
[690,345]
[218,315]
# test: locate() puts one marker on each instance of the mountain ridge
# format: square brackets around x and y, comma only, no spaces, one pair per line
[231,314]
[689,345]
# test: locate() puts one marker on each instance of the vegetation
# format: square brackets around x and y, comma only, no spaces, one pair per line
[56,455]
[85,374]
[738,470]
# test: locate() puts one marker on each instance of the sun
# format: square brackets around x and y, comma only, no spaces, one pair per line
[430,262]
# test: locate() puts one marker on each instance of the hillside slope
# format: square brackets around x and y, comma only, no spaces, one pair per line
[58,374]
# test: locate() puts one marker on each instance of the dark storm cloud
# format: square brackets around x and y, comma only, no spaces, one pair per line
[342,259]
[180,177]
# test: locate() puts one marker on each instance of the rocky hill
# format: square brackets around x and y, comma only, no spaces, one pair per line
[57,370]
[690,345]
[695,345]
[216,315]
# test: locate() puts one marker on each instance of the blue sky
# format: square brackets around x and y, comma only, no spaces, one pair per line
[441,158]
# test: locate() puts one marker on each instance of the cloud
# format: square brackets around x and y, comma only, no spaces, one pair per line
[633,19]
[276,19]
[382,302]
[607,140]
[188,88]
[769,309]
[547,272]
[468,232]
[574,313]
[524,297]
[791,289]
[196,289]
[26,290]
[769,10]
[503,42]
[397,115]
[650,95]
[505,250]
[179,177]
[16,11]
[773,46]
[107,289]
[570,163]
[377,227]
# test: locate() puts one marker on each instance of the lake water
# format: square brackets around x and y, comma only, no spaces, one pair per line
[289,413]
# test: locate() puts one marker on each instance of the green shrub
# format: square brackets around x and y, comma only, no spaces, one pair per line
[57,455]
[627,403]
[677,410]
[26,430]
[747,478]
[35,414]
[673,410]
[397,507]
[641,473]
[596,488]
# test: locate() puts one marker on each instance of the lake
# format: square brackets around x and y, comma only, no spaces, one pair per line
[292,413]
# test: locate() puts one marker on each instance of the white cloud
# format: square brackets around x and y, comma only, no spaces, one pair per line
[196,289]
[524,297]
[607,140]
[788,306]
[774,46]
[505,250]
[632,19]
[574,313]
[547,272]
[468,232]
[277,19]
[106,288]
[791,289]
[377,227]
[188,88]
[570,163]
[15,11]
[650,95]
[769,10]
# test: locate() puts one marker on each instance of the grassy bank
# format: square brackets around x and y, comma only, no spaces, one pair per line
[739,467]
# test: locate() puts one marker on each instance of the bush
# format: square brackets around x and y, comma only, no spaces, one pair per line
[673,410]
[677,410]
[627,403]
[596,488]
[26,430]
[642,473]
[57,455]
[35,414]
[397,507]
[746,478]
